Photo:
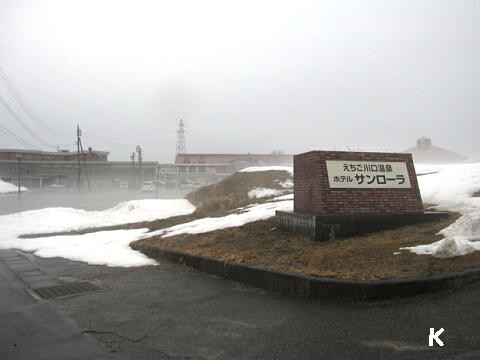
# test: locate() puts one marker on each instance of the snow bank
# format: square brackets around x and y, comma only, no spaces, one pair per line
[264,192]
[246,215]
[67,219]
[283,197]
[6,188]
[109,248]
[446,248]
[268,168]
[451,188]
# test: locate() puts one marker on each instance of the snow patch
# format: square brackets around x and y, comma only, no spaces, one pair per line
[246,215]
[283,197]
[104,251]
[287,184]
[446,248]
[110,248]
[7,188]
[268,168]
[451,188]
[264,192]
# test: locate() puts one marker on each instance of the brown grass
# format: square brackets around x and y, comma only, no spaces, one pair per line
[232,191]
[358,258]
[151,225]
[476,194]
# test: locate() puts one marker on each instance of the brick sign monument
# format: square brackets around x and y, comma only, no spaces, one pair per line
[339,194]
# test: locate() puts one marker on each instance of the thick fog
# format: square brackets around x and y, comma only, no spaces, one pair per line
[246,76]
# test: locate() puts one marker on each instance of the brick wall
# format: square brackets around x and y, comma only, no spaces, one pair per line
[313,195]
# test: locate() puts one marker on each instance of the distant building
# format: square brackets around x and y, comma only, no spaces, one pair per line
[427,153]
[60,155]
[40,169]
[200,169]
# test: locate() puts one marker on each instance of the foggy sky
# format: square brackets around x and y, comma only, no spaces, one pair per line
[246,76]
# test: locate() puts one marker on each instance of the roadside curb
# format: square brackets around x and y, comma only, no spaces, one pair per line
[314,287]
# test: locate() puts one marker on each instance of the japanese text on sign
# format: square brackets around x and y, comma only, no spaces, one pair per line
[367,174]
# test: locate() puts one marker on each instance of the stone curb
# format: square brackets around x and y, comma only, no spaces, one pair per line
[314,287]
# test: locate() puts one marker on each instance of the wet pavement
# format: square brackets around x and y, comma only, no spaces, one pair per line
[33,329]
[87,200]
[172,312]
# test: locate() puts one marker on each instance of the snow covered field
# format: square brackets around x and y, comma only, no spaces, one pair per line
[450,187]
[7,188]
[101,248]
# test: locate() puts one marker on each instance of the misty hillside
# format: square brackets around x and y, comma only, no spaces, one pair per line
[240,189]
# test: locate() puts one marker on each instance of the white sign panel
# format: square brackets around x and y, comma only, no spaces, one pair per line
[368,175]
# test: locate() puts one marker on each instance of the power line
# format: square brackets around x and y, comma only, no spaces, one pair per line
[55,132]
[15,116]
[25,107]
[15,137]
[70,101]
[12,135]
[21,101]
[9,109]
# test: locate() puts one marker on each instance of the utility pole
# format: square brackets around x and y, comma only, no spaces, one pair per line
[157,175]
[19,158]
[132,157]
[139,152]
[80,152]
[79,133]
[85,164]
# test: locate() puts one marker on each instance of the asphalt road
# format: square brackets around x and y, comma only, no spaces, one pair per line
[172,312]
[85,199]
[32,329]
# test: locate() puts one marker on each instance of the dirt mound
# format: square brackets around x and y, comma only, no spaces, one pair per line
[233,191]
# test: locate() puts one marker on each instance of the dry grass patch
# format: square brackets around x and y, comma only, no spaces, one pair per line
[232,192]
[358,258]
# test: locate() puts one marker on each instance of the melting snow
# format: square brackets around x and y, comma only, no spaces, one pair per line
[6,188]
[268,168]
[246,215]
[106,249]
[109,248]
[287,184]
[451,188]
[283,197]
[264,192]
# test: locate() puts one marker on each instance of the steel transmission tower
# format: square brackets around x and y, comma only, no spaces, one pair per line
[181,148]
